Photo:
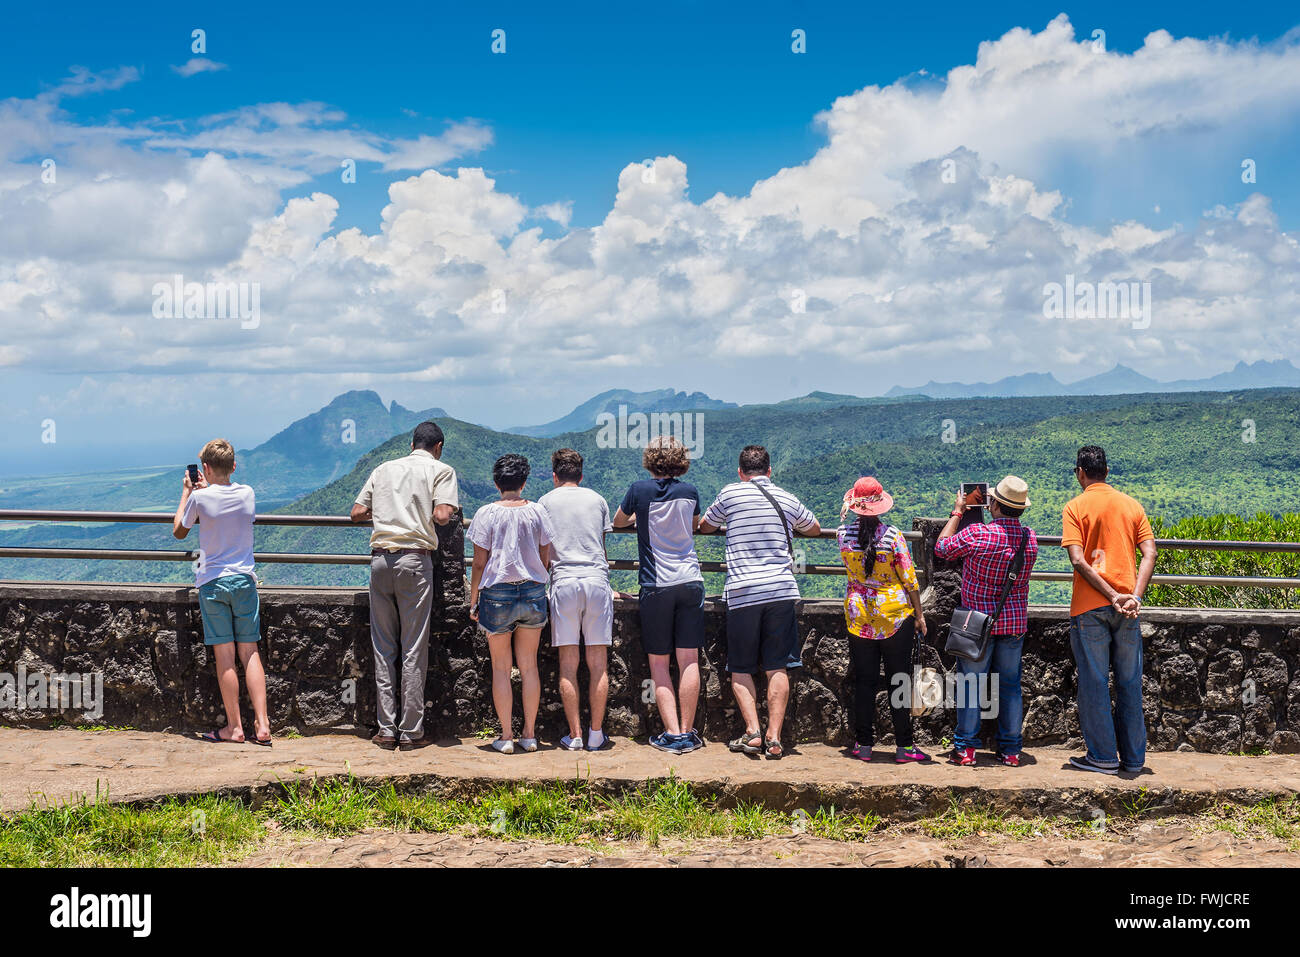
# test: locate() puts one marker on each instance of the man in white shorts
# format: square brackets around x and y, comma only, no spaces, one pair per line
[582,603]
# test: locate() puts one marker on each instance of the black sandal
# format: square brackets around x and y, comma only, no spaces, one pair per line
[741,744]
[768,745]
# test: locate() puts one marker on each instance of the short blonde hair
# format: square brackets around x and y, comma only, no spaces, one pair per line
[665,455]
[220,455]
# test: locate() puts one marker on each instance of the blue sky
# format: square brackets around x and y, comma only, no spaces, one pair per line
[587,87]
[1126,164]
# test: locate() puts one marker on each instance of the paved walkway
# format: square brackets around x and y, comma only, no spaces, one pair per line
[56,766]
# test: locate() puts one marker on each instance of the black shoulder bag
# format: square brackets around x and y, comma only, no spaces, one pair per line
[969,630]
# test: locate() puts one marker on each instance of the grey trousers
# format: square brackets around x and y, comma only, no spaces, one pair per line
[401,601]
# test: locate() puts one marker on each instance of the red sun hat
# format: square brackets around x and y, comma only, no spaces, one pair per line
[867,497]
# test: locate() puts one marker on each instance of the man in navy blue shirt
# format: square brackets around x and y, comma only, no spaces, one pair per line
[666,511]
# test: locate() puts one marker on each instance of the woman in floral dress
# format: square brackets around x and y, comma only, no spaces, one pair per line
[882,611]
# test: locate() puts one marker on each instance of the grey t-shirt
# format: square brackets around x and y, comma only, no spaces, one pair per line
[579,520]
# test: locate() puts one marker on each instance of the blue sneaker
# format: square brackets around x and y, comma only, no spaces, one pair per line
[672,743]
[689,741]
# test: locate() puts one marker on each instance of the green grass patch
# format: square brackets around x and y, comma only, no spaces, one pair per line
[557,813]
[959,822]
[92,833]
[210,830]
[1270,818]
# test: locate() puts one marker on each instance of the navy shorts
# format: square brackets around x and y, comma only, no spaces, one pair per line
[762,638]
[506,606]
[672,617]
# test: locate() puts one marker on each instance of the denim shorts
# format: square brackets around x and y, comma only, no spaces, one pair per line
[506,606]
[230,610]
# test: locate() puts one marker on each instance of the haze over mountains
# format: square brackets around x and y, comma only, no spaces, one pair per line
[1180,455]
[315,450]
[301,457]
[584,416]
[1264,374]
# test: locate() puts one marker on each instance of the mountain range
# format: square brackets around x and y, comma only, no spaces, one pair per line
[1264,374]
[1180,455]
[659,400]
[301,457]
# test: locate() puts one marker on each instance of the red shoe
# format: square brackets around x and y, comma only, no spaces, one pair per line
[1010,760]
[963,756]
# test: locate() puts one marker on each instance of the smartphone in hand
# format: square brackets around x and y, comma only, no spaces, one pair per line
[194,474]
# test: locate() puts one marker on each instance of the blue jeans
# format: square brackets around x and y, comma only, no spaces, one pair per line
[1103,639]
[1003,656]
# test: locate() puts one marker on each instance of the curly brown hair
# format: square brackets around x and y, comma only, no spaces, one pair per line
[665,456]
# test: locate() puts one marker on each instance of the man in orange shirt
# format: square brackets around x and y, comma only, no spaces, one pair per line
[1100,529]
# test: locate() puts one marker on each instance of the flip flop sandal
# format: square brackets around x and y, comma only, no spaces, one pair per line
[214,737]
[742,743]
[260,743]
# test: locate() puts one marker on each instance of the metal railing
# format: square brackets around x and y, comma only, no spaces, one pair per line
[342,521]
[282,558]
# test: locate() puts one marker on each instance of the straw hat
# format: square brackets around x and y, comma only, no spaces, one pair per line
[1011,492]
[867,497]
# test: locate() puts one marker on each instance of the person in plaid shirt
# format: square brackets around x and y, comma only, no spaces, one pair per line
[988,551]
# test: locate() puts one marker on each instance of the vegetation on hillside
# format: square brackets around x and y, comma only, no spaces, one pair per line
[1261,527]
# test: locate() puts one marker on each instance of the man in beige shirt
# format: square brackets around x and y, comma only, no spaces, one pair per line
[405,499]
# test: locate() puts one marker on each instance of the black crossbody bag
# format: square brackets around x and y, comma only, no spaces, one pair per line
[969,630]
[780,512]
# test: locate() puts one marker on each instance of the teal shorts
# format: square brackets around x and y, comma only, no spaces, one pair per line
[229,607]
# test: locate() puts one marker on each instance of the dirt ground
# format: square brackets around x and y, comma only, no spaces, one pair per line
[1173,843]
[56,766]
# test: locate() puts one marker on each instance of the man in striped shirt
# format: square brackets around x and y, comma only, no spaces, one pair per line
[761,591]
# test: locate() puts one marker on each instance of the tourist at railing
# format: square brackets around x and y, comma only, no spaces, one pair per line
[760,592]
[582,602]
[988,551]
[882,610]
[665,511]
[1101,528]
[405,499]
[507,594]
[228,602]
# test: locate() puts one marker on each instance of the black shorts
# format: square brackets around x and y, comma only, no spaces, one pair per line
[672,617]
[762,638]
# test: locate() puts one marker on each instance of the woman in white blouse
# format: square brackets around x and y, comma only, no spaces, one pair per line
[507,593]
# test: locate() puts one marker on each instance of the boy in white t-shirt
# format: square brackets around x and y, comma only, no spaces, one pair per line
[228,599]
[582,603]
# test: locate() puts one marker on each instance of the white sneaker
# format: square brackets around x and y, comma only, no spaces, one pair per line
[528,744]
[504,746]
[570,743]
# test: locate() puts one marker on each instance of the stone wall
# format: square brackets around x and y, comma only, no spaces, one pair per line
[148,643]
